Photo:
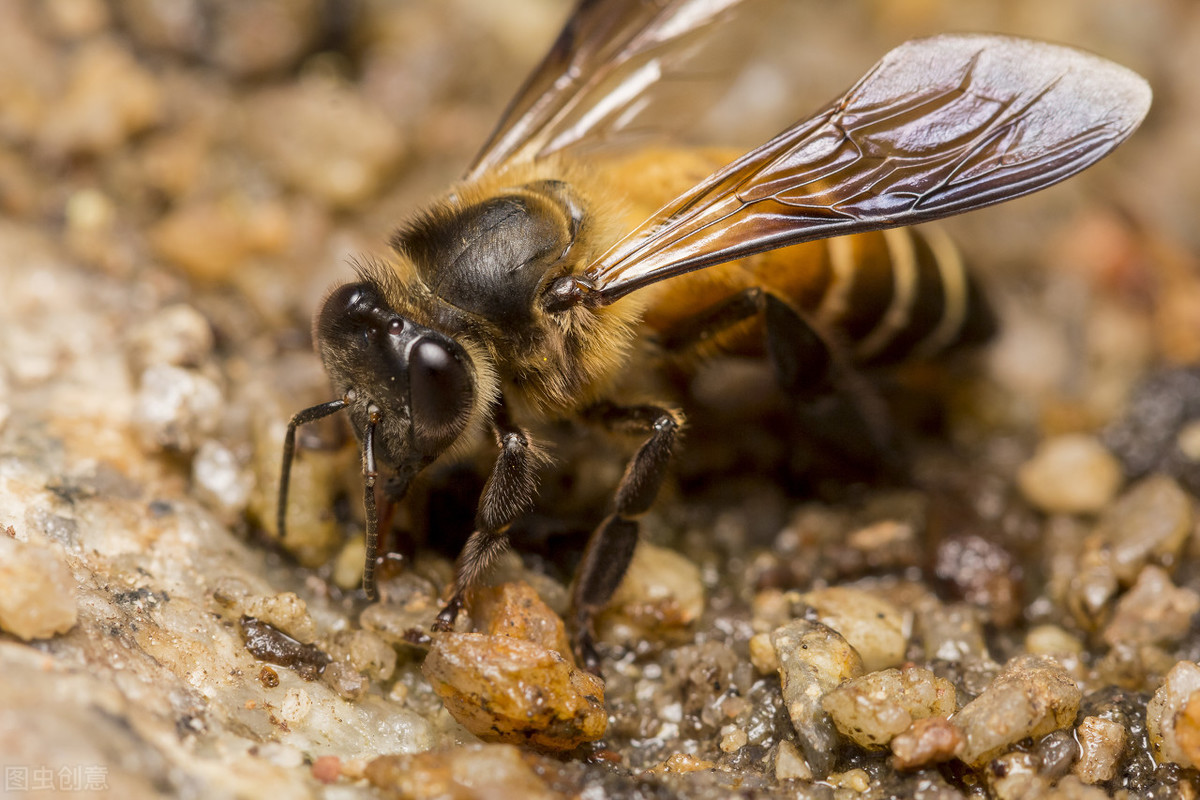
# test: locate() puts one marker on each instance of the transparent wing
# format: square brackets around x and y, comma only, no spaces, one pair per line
[603,76]
[938,127]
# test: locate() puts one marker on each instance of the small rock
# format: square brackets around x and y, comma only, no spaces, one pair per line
[212,239]
[660,595]
[109,98]
[365,652]
[875,628]
[733,739]
[1014,776]
[325,140]
[286,611]
[267,643]
[1151,521]
[1173,715]
[814,660]
[854,780]
[982,573]
[1072,788]
[681,763]
[1101,745]
[472,770]
[327,769]
[348,682]
[176,408]
[952,633]
[1154,611]
[514,609]
[873,709]
[1051,640]
[927,741]
[762,654]
[295,707]
[506,689]
[178,336]
[220,480]
[790,765]
[37,590]
[1092,587]
[1071,474]
[1032,696]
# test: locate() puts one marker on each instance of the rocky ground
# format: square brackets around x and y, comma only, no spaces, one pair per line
[179,185]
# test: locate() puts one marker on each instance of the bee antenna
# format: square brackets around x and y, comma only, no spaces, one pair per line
[289,451]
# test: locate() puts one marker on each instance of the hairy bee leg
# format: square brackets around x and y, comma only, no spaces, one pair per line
[611,546]
[807,364]
[508,493]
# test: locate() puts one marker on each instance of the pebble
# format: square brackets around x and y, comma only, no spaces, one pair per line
[875,628]
[1101,745]
[286,611]
[927,741]
[412,603]
[296,705]
[506,689]
[952,632]
[1070,474]
[661,595]
[681,764]
[318,477]
[469,770]
[325,140]
[220,480]
[789,764]
[364,651]
[1173,716]
[1051,640]
[515,609]
[981,572]
[37,590]
[733,739]
[1032,696]
[1014,776]
[176,408]
[814,659]
[873,709]
[1149,522]
[109,98]
[1092,587]
[212,239]
[1153,611]
[349,683]
[177,335]
[763,655]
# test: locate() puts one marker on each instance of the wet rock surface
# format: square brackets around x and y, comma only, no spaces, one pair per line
[180,184]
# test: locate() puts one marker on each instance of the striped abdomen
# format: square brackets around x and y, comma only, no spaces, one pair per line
[885,296]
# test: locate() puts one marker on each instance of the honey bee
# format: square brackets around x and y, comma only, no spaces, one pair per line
[545,282]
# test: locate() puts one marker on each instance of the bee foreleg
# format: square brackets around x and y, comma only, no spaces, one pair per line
[508,493]
[611,546]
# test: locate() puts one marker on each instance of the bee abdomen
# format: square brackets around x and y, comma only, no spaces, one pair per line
[900,293]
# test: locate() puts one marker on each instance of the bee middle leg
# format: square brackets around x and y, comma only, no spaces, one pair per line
[610,548]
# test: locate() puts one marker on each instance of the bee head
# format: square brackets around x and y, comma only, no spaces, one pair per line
[413,385]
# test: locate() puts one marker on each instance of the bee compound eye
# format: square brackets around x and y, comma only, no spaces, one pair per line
[440,392]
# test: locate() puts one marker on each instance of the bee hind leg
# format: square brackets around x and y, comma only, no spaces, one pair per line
[810,364]
[610,548]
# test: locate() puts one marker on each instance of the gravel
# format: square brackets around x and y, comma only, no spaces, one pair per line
[180,184]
